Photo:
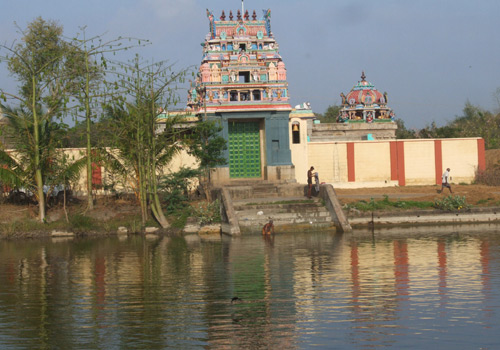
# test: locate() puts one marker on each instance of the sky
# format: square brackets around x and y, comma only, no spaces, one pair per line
[430,56]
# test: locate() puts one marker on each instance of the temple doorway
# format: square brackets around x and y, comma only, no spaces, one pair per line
[244,150]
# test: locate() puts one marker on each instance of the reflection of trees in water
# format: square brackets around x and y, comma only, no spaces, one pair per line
[171,293]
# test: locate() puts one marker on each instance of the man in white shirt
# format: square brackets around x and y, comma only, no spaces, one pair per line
[445,180]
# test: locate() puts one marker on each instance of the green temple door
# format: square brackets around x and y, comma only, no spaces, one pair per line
[244,149]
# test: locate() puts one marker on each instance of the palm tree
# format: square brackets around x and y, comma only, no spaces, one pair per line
[140,154]
[18,168]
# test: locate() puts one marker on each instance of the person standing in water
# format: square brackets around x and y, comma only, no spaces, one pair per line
[268,228]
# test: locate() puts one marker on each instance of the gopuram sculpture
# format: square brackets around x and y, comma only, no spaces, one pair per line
[364,103]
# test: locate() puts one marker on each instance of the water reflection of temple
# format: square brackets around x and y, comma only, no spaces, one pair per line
[357,284]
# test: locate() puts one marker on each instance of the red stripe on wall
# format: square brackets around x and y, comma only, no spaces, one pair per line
[481,155]
[394,160]
[400,147]
[96,174]
[351,176]
[438,157]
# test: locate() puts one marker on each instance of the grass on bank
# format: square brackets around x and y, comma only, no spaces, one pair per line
[206,213]
[448,203]
[77,223]
[488,201]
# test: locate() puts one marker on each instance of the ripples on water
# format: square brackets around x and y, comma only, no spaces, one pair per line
[395,288]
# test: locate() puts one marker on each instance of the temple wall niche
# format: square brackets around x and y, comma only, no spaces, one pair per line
[205,73]
[215,72]
[273,74]
[281,71]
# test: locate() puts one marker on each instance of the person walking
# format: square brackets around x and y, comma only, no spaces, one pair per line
[309,181]
[445,181]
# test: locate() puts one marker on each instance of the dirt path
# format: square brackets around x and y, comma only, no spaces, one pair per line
[477,195]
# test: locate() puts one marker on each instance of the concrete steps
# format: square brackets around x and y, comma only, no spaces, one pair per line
[246,206]
[287,213]
[265,190]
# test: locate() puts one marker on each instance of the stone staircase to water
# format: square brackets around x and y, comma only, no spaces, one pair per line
[287,214]
[286,204]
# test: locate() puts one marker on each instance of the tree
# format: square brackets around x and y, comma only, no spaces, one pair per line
[496,96]
[76,136]
[39,64]
[331,114]
[151,91]
[475,122]
[206,144]
[402,132]
[88,68]
[18,168]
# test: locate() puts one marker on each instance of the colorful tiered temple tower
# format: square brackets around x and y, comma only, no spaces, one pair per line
[365,103]
[242,83]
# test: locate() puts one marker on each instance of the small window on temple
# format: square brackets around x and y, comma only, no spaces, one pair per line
[244,77]
[243,47]
[244,96]
[233,96]
[256,95]
[295,133]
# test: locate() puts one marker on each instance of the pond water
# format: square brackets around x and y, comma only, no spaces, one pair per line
[409,288]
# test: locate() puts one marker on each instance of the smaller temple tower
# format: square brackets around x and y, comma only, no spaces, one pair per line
[364,103]
[364,115]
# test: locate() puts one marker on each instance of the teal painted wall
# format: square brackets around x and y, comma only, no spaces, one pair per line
[277,139]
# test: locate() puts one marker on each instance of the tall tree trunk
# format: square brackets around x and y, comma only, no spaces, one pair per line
[142,176]
[64,202]
[90,200]
[155,200]
[38,170]
[142,193]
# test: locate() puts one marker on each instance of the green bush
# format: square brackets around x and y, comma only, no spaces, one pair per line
[81,222]
[174,188]
[179,218]
[208,213]
[489,177]
[451,203]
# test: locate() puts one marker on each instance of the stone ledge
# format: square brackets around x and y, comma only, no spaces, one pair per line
[426,217]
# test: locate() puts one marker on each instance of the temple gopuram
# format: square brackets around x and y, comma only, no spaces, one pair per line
[242,84]
[365,103]
[364,116]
